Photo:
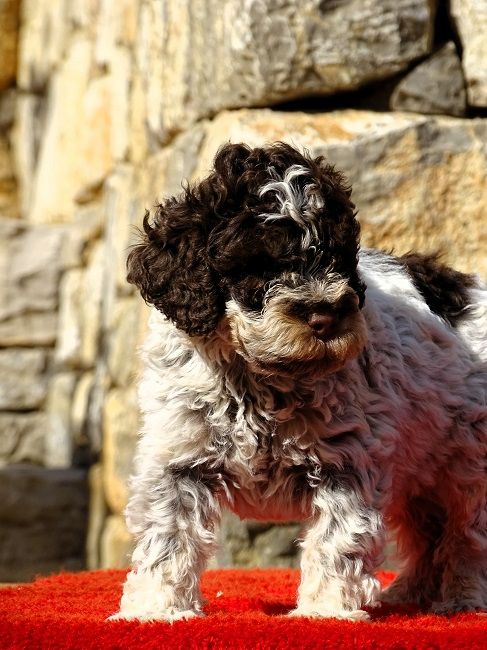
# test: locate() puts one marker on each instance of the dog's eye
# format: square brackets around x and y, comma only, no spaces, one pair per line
[249,293]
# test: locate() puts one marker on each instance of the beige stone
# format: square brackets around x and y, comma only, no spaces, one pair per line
[120,428]
[82,106]
[407,172]
[9,26]
[116,544]
[43,38]
[96,517]
[436,86]
[23,385]
[59,437]
[79,408]
[29,123]
[8,181]
[123,209]
[23,438]
[230,53]
[122,358]
[470,18]
[81,292]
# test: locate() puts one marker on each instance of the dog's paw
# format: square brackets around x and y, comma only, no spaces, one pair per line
[314,611]
[456,606]
[170,615]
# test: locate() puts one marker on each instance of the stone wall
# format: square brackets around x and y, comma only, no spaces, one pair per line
[105,106]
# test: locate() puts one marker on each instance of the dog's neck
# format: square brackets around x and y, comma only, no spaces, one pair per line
[278,395]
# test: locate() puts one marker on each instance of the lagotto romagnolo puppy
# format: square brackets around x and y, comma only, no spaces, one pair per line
[290,375]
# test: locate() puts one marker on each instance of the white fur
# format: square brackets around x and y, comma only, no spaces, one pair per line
[399,428]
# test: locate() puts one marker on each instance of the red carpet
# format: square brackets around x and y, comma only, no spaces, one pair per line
[244,610]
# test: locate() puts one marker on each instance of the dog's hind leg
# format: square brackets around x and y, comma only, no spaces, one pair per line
[419,528]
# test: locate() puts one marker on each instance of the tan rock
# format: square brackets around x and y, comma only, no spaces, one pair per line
[234,53]
[68,345]
[43,39]
[79,408]
[81,293]
[29,124]
[120,428]
[23,385]
[96,517]
[82,106]
[116,544]
[23,438]
[59,436]
[470,18]
[122,358]
[436,86]
[407,172]
[9,27]
[8,182]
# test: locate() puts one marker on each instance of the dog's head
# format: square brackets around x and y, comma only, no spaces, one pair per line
[266,247]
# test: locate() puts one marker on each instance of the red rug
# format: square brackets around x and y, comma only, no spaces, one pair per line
[245,609]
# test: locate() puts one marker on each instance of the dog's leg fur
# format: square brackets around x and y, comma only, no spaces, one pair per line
[419,525]
[341,549]
[173,513]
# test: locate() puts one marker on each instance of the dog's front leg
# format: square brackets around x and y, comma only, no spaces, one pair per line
[173,512]
[341,549]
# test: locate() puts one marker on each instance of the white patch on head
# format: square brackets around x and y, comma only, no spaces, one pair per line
[296,203]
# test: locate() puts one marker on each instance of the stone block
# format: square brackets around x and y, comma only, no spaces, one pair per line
[470,19]
[23,381]
[97,516]
[59,445]
[81,105]
[120,428]
[233,53]
[116,544]
[435,86]
[31,263]
[9,28]
[8,181]
[23,438]
[43,515]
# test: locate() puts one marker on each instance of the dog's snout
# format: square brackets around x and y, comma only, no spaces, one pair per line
[321,324]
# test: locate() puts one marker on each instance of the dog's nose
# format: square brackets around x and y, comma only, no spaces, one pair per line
[321,324]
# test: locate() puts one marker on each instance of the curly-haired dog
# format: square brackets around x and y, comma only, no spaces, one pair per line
[290,376]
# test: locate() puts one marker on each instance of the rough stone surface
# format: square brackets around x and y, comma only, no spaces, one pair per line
[120,435]
[59,440]
[97,516]
[23,384]
[470,17]
[23,438]
[408,172]
[116,544]
[254,543]
[8,181]
[9,25]
[122,362]
[79,164]
[435,86]
[267,51]
[43,516]
[29,282]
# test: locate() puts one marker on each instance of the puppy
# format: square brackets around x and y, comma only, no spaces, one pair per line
[290,375]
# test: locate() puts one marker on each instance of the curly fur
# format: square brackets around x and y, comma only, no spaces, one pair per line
[274,388]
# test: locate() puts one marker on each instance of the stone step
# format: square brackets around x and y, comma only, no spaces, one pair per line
[43,521]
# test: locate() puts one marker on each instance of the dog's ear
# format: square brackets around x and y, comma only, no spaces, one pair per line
[171,270]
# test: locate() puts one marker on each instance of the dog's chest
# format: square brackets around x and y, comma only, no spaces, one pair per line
[282,439]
